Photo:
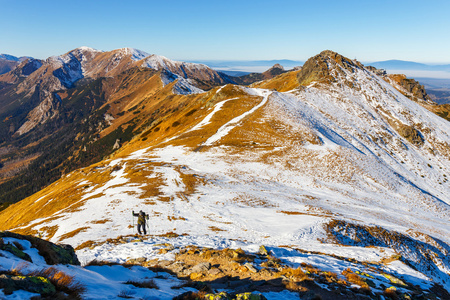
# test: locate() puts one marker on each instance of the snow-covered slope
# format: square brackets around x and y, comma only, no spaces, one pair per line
[183,69]
[275,168]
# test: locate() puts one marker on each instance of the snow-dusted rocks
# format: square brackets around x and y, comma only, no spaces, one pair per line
[185,70]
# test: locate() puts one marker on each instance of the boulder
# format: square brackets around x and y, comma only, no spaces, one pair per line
[219,296]
[137,261]
[33,284]
[250,267]
[52,253]
[201,267]
[250,296]
[14,250]
[263,251]
[214,271]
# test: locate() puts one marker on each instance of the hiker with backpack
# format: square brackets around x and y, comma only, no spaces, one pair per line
[142,220]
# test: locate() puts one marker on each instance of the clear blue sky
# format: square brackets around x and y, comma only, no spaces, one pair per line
[231,30]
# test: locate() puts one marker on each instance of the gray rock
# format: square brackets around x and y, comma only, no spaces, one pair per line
[251,268]
[164,263]
[176,267]
[201,267]
[263,250]
[138,261]
[214,271]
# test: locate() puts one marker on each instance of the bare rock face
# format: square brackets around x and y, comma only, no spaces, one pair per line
[276,70]
[318,68]
[379,72]
[413,88]
[412,135]
[201,267]
[46,110]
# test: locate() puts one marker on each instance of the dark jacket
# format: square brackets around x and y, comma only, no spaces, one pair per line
[141,217]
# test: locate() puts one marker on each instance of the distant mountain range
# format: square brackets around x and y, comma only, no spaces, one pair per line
[9,62]
[244,67]
[408,65]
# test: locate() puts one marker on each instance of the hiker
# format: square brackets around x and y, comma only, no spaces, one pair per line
[142,217]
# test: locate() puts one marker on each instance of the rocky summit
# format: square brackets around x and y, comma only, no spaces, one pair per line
[328,181]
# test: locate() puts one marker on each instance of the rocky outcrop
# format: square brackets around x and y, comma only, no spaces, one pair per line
[411,134]
[241,296]
[52,253]
[47,109]
[274,71]
[323,68]
[424,253]
[409,87]
[32,284]
[379,72]
[13,249]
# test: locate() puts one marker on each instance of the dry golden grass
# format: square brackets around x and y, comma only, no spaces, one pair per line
[390,293]
[355,278]
[173,218]
[190,182]
[62,282]
[294,274]
[73,233]
[19,269]
[215,229]
[167,112]
[101,221]
[295,213]
[61,195]
[282,83]
[250,200]
[193,296]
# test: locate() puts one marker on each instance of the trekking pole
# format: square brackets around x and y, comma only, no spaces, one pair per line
[132,217]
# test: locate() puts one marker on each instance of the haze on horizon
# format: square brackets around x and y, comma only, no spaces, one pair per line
[231,30]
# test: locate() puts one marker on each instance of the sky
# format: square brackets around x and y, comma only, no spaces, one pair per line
[231,30]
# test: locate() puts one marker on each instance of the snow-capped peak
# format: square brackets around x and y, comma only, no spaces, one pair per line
[155,61]
[136,54]
[88,49]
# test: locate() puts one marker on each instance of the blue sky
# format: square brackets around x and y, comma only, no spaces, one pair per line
[231,30]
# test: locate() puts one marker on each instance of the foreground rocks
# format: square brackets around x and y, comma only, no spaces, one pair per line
[52,253]
[246,276]
[33,284]
[48,282]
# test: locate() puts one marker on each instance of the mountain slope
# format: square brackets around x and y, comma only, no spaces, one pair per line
[60,108]
[340,158]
